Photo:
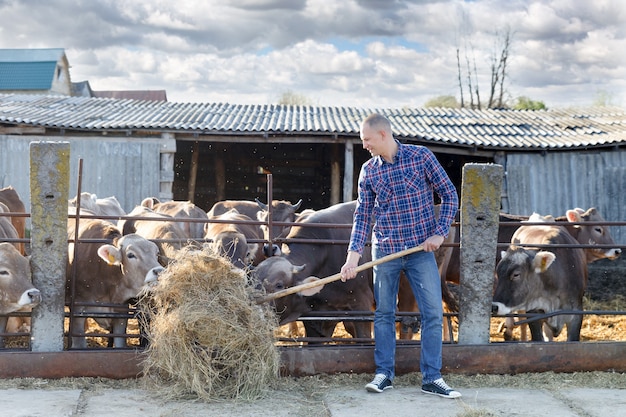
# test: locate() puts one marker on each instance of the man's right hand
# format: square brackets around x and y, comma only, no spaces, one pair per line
[348,270]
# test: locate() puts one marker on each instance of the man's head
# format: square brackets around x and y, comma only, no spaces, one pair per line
[377,136]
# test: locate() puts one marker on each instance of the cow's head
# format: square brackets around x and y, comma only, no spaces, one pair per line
[138,259]
[16,288]
[282,211]
[519,280]
[234,246]
[277,274]
[595,234]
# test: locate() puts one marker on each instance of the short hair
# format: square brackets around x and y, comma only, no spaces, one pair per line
[378,122]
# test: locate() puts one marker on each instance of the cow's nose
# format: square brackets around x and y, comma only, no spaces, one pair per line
[153,275]
[494,309]
[35,296]
[271,250]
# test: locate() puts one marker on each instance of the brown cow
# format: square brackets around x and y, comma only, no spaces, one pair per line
[158,227]
[17,292]
[232,239]
[181,210]
[11,199]
[544,281]
[107,206]
[107,273]
[585,234]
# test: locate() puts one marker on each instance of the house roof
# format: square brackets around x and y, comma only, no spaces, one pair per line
[28,69]
[476,129]
[155,95]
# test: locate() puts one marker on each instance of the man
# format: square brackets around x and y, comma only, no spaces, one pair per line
[396,189]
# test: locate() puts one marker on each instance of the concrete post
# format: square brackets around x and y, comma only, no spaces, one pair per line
[480,208]
[49,192]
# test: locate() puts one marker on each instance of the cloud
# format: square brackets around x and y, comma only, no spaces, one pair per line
[388,53]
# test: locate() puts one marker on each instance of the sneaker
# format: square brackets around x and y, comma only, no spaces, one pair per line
[379,383]
[440,388]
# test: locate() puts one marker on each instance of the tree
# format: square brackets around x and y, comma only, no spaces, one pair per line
[294,99]
[525,103]
[443,101]
[499,71]
[603,99]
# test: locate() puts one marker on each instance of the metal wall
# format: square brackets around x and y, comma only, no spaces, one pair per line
[554,182]
[129,169]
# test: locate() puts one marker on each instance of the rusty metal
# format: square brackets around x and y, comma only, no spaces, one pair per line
[495,358]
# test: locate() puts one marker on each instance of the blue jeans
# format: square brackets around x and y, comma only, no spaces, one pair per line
[421,270]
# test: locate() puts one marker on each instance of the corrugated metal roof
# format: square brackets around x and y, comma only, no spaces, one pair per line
[486,129]
[28,69]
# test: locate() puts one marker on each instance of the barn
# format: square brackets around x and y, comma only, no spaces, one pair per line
[205,152]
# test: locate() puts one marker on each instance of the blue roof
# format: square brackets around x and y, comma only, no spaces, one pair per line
[26,75]
[28,69]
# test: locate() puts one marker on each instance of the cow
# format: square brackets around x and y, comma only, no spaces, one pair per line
[185,210]
[282,211]
[232,240]
[509,223]
[586,234]
[160,228]
[111,273]
[11,199]
[17,292]
[542,280]
[299,261]
[107,206]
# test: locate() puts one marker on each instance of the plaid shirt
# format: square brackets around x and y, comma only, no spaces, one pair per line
[400,198]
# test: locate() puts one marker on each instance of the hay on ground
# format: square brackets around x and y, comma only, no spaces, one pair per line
[207,336]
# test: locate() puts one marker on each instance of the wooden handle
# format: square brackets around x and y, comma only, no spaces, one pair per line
[337,276]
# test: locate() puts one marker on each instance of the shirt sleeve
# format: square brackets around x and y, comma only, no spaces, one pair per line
[362,214]
[446,191]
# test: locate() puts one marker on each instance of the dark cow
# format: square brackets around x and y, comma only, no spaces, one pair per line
[231,240]
[160,228]
[282,211]
[181,210]
[302,260]
[17,292]
[107,273]
[544,281]
[11,199]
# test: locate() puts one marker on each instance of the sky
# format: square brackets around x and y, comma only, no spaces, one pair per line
[357,53]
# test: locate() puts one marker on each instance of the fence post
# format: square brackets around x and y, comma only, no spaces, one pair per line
[480,208]
[49,192]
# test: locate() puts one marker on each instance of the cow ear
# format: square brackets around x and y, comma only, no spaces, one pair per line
[543,260]
[310,291]
[573,216]
[110,254]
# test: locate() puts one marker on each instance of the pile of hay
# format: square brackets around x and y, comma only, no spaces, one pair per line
[206,334]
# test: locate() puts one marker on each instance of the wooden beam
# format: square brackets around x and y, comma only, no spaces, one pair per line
[22,130]
[193,172]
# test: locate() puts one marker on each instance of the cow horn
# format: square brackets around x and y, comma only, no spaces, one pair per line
[307,292]
[297,205]
[262,205]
